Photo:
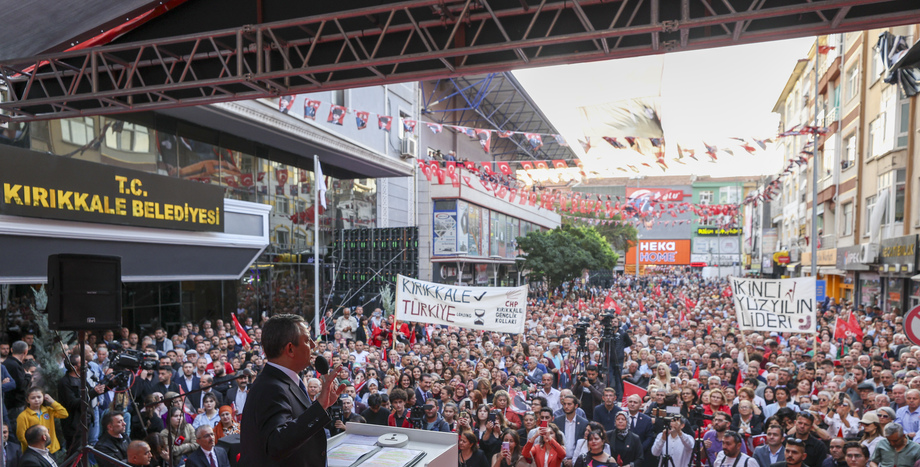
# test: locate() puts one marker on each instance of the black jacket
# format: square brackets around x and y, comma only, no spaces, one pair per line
[198,459]
[284,428]
[12,453]
[113,447]
[626,449]
[30,458]
[16,398]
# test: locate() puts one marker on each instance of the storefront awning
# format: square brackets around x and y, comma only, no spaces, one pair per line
[831,271]
[792,265]
[471,259]
[147,255]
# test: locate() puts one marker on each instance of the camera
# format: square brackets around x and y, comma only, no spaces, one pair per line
[133,360]
[493,415]
[336,412]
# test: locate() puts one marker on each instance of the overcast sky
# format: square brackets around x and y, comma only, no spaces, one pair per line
[709,95]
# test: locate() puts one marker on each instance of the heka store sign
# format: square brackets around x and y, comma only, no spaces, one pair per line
[664,252]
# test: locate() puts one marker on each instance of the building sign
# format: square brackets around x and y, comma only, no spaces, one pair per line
[827,257]
[712,232]
[820,291]
[663,195]
[775,305]
[848,259]
[500,309]
[901,251]
[54,187]
[665,252]
[781,257]
[445,233]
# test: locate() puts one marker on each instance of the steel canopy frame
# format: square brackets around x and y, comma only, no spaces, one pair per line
[498,101]
[404,41]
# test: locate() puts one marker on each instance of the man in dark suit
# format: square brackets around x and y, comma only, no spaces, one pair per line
[12,452]
[38,438]
[423,391]
[795,454]
[196,399]
[284,427]
[207,454]
[569,417]
[772,452]
[643,426]
[187,379]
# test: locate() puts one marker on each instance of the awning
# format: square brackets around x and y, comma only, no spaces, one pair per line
[147,255]
[791,265]
[831,271]
[471,259]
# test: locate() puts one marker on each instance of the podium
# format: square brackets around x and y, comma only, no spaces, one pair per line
[440,448]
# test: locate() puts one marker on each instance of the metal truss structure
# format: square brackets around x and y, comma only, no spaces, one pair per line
[496,101]
[363,43]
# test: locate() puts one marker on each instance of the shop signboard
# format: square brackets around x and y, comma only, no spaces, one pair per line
[444,235]
[821,290]
[55,187]
[662,252]
[717,232]
[901,251]
[848,259]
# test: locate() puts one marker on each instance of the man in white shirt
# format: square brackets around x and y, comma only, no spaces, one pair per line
[731,455]
[550,393]
[360,354]
[680,445]
[347,325]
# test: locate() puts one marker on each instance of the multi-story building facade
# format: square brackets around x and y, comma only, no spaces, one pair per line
[865,156]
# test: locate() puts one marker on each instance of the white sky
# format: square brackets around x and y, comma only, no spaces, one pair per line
[709,95]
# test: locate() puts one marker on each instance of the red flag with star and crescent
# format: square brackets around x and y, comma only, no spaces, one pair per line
[608,302]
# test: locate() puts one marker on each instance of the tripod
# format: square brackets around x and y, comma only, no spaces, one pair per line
[697,457]
[81,456]
[666,459]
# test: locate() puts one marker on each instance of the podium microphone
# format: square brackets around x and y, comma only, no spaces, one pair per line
[321,365]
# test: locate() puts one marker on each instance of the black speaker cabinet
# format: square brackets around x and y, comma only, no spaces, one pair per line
[231,443]
[84,292]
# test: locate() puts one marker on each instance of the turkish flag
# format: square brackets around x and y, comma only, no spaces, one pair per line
[244,337]
[281,175]
[581,303]
[608,302]
[840,329]
[504,168]
[630,389]
[641,306]
[246,179]
[853,325]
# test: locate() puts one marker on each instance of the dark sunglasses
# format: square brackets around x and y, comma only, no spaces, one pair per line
[795,441]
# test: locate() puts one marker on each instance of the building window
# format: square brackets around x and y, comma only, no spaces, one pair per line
[730,194]
[852,82]
[706,197]
[130,138]
[894,180]
[850,156]
[877,65]
[78,131]
[903,124]
[877,136]
[282,237]
[848,219]
[283,205]
[870,204]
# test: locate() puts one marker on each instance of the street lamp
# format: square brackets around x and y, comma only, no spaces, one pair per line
[495,265]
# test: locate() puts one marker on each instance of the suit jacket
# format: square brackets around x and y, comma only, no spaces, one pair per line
[645,430]
[581,424]
[198,459]
[762,454]
[284,428]
[13,454]
[181,380]
[195,399]
[418,397]
[30,458]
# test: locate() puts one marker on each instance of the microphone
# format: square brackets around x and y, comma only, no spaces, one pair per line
[180,440]
[321,365]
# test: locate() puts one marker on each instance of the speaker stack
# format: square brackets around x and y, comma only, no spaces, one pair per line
[84,292]
[391,251]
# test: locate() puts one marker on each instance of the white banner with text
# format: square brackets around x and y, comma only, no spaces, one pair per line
[501,309]
[775,305]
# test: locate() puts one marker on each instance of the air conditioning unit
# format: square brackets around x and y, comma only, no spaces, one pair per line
[868,253]
[408,147]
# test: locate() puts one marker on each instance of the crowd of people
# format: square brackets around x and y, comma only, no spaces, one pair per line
[696,388]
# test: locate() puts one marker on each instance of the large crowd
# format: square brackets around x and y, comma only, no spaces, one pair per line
[697,388]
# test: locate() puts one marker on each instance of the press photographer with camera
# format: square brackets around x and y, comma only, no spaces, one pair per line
[433,420]
[341,413]
[673,447]
[588,387]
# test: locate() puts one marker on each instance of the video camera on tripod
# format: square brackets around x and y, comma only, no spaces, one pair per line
[126,363]
[417,417]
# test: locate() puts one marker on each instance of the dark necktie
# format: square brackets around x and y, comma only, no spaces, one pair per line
[633,422]
[304,389]
[213,462]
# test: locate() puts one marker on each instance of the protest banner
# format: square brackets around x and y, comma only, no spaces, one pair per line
[500,309]
[775,305]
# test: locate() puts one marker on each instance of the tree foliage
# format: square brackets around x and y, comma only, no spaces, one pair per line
[620,236]
[562,254]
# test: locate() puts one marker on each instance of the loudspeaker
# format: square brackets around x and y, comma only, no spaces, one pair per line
[84,292]
[231,444]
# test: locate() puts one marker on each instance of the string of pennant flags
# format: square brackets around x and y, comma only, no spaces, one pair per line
[773,188]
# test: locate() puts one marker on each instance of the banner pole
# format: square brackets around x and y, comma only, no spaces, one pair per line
[395,320]
[316,282]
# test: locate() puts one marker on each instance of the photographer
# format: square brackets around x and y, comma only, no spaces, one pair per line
[589,389]
[675,443]
[342,413]
[433,420]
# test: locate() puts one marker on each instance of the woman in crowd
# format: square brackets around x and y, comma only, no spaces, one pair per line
[469,452]
[596,456]
[746,422]
[503,402]
[842,423]
[449,412]
[180,434]
[510,453]
[663,376]
[227,424]
[545,447]
[159,447]
[207,414]
[581,446]
[716,404]
[530,422]
[872,431]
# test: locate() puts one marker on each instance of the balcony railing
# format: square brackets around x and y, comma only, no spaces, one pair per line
[833,115]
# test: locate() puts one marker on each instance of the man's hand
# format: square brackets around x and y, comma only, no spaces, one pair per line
[99,388]
[329,393]
[340,425]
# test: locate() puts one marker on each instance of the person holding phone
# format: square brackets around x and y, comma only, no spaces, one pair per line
[545,448]
[510,453]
